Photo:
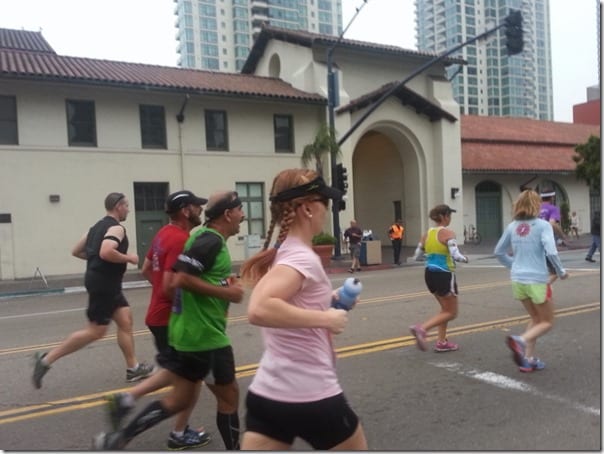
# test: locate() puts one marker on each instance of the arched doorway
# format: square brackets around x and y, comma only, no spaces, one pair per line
[488,210]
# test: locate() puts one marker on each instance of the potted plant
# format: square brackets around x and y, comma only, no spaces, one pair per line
[323,244]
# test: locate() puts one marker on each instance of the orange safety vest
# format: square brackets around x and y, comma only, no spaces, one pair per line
[396,232]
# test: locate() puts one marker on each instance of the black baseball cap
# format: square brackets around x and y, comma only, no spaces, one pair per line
[181,199]
[442,210]
[316,186]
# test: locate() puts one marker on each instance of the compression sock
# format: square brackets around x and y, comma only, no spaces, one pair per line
[228,425]
[153,414]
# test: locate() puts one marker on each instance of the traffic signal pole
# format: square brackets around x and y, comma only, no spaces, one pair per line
[331,104]
[513,23]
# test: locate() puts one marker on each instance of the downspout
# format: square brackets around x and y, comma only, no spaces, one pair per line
[180,118]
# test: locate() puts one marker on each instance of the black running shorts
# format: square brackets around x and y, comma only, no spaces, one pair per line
[101,306]
[216,367]
[322,424]
[441,283]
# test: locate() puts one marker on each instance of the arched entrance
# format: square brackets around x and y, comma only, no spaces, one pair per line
[386,182]
[488,210]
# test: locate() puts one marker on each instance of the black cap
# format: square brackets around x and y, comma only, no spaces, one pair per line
[316,186]
[442,210]
[181,199]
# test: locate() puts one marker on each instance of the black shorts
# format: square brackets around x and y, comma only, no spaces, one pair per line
[212,366]
[160,338]
[441,283]
[101,306]
[323,424]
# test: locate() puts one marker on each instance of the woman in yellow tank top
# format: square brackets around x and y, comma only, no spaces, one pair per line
[440,248]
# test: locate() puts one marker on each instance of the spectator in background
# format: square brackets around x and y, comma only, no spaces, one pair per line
[551,213]
[574,224]
[595,237]
[396,232]
[354,235]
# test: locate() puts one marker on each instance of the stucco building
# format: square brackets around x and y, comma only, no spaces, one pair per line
[74,129]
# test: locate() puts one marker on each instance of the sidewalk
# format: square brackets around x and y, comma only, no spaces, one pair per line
[74,283]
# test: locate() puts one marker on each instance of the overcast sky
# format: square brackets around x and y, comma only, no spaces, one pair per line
[143,31]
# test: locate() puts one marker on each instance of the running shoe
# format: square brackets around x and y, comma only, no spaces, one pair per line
[117,409]
[143,370]
[531,365]
[420,336]
[518,346]
[188,440]
[111,441]
[445,346]
[40,369]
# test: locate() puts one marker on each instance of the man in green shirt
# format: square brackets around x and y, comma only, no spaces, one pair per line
[201,350]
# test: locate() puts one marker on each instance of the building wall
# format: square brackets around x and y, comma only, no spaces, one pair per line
[427,155]
[588,113]
[42,233]
[576,192]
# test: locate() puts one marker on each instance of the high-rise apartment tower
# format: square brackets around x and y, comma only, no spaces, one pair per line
[218,34]
[492,83]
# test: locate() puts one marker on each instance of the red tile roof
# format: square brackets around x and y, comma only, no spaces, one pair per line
[506,144]
[28,62]
[309,39]
[406,96]
[24,40]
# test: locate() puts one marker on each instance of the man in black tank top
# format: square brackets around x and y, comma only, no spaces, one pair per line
[105,249]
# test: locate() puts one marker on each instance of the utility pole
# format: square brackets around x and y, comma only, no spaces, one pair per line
[332,101]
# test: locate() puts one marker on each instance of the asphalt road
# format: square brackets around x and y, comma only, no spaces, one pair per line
[472,399]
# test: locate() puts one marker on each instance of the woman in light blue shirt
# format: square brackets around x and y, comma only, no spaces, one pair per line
[531,243]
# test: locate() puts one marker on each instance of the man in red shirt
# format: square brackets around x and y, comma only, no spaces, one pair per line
[184,209]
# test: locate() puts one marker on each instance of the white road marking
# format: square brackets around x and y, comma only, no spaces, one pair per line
[503,382]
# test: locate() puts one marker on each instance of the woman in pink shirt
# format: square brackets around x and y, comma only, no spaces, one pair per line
[296,392]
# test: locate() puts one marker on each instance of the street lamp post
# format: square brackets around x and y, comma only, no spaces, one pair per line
[332,101]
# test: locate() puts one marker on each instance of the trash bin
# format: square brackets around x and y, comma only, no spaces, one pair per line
[371,252]
[252,245]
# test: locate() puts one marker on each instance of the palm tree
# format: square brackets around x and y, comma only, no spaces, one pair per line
[324,144]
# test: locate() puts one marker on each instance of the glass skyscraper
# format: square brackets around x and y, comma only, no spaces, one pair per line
[218,34]
[492,83]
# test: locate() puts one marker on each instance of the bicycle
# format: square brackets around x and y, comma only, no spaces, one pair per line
[471,235]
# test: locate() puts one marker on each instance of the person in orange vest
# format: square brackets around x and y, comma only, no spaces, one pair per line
[396,232]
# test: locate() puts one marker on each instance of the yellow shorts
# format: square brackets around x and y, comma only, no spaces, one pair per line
[537,293]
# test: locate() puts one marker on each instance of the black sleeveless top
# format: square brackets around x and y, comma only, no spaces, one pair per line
[102,275]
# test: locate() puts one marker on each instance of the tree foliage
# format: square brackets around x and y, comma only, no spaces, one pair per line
[587,157]
[322,146]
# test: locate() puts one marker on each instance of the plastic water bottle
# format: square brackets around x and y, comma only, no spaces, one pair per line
[348,293]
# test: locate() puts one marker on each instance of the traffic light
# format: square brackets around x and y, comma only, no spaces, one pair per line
[341,178]
[513,32]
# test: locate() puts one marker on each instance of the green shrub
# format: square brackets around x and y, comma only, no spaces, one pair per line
[323,238]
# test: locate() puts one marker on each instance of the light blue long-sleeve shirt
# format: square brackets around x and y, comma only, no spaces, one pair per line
[530,241]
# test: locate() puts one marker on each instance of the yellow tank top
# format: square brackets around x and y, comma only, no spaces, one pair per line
[438,257]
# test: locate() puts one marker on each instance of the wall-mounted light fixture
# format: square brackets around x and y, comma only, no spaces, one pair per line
[54,198]
[454,192]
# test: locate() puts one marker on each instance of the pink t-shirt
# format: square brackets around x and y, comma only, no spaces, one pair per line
[298,364]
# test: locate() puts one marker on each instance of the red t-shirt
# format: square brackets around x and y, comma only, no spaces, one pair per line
[167,245]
